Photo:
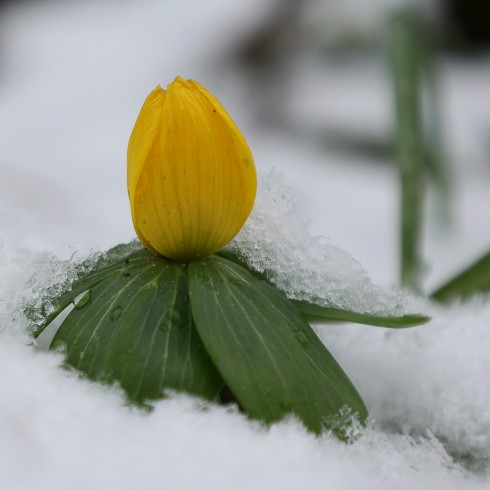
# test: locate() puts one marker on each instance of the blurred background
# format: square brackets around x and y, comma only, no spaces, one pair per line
[353,101]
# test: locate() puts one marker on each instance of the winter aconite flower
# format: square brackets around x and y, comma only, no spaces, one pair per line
[191,175]
[209,327]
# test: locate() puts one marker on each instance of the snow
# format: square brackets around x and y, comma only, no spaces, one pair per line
[431,377]
[276,241]
[73,76]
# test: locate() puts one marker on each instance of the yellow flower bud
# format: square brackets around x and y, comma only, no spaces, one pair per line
[191,175]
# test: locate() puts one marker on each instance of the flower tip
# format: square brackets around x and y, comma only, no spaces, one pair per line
[158,90]
[178,81]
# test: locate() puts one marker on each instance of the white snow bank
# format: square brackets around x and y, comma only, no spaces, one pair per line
[434,377]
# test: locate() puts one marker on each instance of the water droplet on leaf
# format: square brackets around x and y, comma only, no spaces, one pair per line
[116,313]
[302,339]
[164,327]
[173,316]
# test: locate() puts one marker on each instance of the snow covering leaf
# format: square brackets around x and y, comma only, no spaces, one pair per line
[95,271]
[315,312]
[136,329]
[268,355]
[474,279]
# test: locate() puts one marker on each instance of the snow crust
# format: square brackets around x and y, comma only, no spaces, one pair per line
[275,240]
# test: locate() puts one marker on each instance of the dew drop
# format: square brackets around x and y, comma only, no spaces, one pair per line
[164,327]
[302,339]
[238,283]
[82,355]
[116,313]
[173,316]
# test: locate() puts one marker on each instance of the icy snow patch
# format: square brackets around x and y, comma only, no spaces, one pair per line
[277,242]
[62,432]
[26,278]
[432,377]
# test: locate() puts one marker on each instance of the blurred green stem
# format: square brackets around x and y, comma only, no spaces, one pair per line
[475,279]
[404,44]
[436,157]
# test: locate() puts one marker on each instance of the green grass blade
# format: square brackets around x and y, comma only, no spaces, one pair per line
[436,157]
[405,57]
[474,279]
[266,352]
[321,313]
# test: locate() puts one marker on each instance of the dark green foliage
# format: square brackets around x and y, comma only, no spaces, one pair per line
[405,55]
[268,355]
[474,279]
[210,327]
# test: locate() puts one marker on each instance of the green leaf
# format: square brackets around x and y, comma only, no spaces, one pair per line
[266,352]
[474,279]
[315,312]
[136,328]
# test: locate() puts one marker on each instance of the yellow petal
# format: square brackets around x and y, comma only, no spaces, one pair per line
[191,175]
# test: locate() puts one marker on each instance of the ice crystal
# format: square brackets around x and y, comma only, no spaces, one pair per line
[276,241]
